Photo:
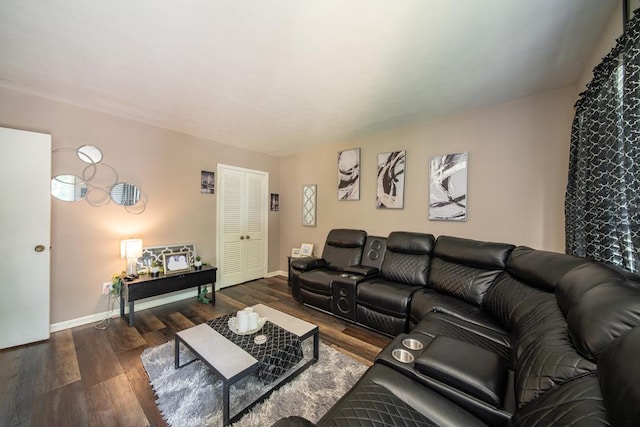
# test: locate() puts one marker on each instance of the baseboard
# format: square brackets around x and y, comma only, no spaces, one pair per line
[277,273]
[150,303]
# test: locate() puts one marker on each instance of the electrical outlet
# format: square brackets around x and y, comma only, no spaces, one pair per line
[106,288]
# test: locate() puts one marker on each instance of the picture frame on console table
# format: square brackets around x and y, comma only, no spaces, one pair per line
[175,262]
[306,249]
[295,253]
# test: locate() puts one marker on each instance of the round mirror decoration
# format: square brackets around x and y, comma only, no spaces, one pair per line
[89,154]
[125,194]
[83,175]
[68,188]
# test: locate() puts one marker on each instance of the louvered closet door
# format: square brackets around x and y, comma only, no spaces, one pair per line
[242,225]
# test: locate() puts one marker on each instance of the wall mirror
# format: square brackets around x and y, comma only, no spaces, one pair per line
[68,188]
[125,194]
[92,180]
[309,205]
[89,154]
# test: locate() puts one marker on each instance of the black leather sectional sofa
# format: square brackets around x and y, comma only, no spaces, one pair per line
[484,333]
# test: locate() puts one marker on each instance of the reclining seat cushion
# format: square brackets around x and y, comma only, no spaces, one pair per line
[466,268]
[439,324]
[426,301]
[386,297]
[384,397]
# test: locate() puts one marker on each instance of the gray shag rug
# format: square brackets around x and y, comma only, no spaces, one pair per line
[192,395]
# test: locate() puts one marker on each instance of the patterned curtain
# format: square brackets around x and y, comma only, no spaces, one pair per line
[603,191]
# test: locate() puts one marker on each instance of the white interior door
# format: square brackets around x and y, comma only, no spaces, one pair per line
[25,171]
[242,225]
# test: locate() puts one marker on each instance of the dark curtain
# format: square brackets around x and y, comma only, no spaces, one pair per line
[603,191]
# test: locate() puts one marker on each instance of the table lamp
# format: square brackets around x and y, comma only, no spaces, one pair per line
[131,249]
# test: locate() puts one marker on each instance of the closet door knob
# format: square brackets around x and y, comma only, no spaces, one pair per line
[241,237]
[39,248]
[248,237]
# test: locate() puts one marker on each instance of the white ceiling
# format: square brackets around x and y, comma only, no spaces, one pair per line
[282,76]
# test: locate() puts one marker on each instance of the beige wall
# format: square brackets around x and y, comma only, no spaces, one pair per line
[165,164]
[518,154]
[518,159]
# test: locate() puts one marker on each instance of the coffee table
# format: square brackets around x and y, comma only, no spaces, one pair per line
[233,363]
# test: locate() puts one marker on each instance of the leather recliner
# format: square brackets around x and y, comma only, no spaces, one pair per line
[312,277]
[382,302]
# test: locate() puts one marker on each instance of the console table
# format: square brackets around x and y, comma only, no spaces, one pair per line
[147,286]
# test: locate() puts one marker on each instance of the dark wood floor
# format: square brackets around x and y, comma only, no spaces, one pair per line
[89,377]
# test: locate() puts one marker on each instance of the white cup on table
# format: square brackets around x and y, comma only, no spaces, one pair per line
[243,321]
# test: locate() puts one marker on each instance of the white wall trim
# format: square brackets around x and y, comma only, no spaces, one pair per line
[150,303]
[277,273]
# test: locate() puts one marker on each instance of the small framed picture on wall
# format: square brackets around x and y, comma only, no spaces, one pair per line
[274,205]
[207,182]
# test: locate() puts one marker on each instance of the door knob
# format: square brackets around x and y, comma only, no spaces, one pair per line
[39,248]
[241,237]
[248,237]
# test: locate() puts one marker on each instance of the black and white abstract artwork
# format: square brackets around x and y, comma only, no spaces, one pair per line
[390,191]
[207,182]
[448,187]
[349,174]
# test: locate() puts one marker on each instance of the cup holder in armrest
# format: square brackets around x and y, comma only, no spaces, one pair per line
[412,344]
[403,351]
[402,355]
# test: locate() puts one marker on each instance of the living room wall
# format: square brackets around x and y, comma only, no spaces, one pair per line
[518,161]
[518,154]
[165,164]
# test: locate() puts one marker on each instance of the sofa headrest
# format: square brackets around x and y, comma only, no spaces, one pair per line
[576,282]
[541,269]
[602,314]
[619,379]
[410,243]
[473,252]
[346,238]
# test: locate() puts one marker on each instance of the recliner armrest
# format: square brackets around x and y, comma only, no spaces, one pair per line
[362,270]
[466,367]
[308,264]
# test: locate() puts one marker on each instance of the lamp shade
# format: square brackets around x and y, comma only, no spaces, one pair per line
[131,248]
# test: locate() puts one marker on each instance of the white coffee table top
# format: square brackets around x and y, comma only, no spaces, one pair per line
[209,344]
